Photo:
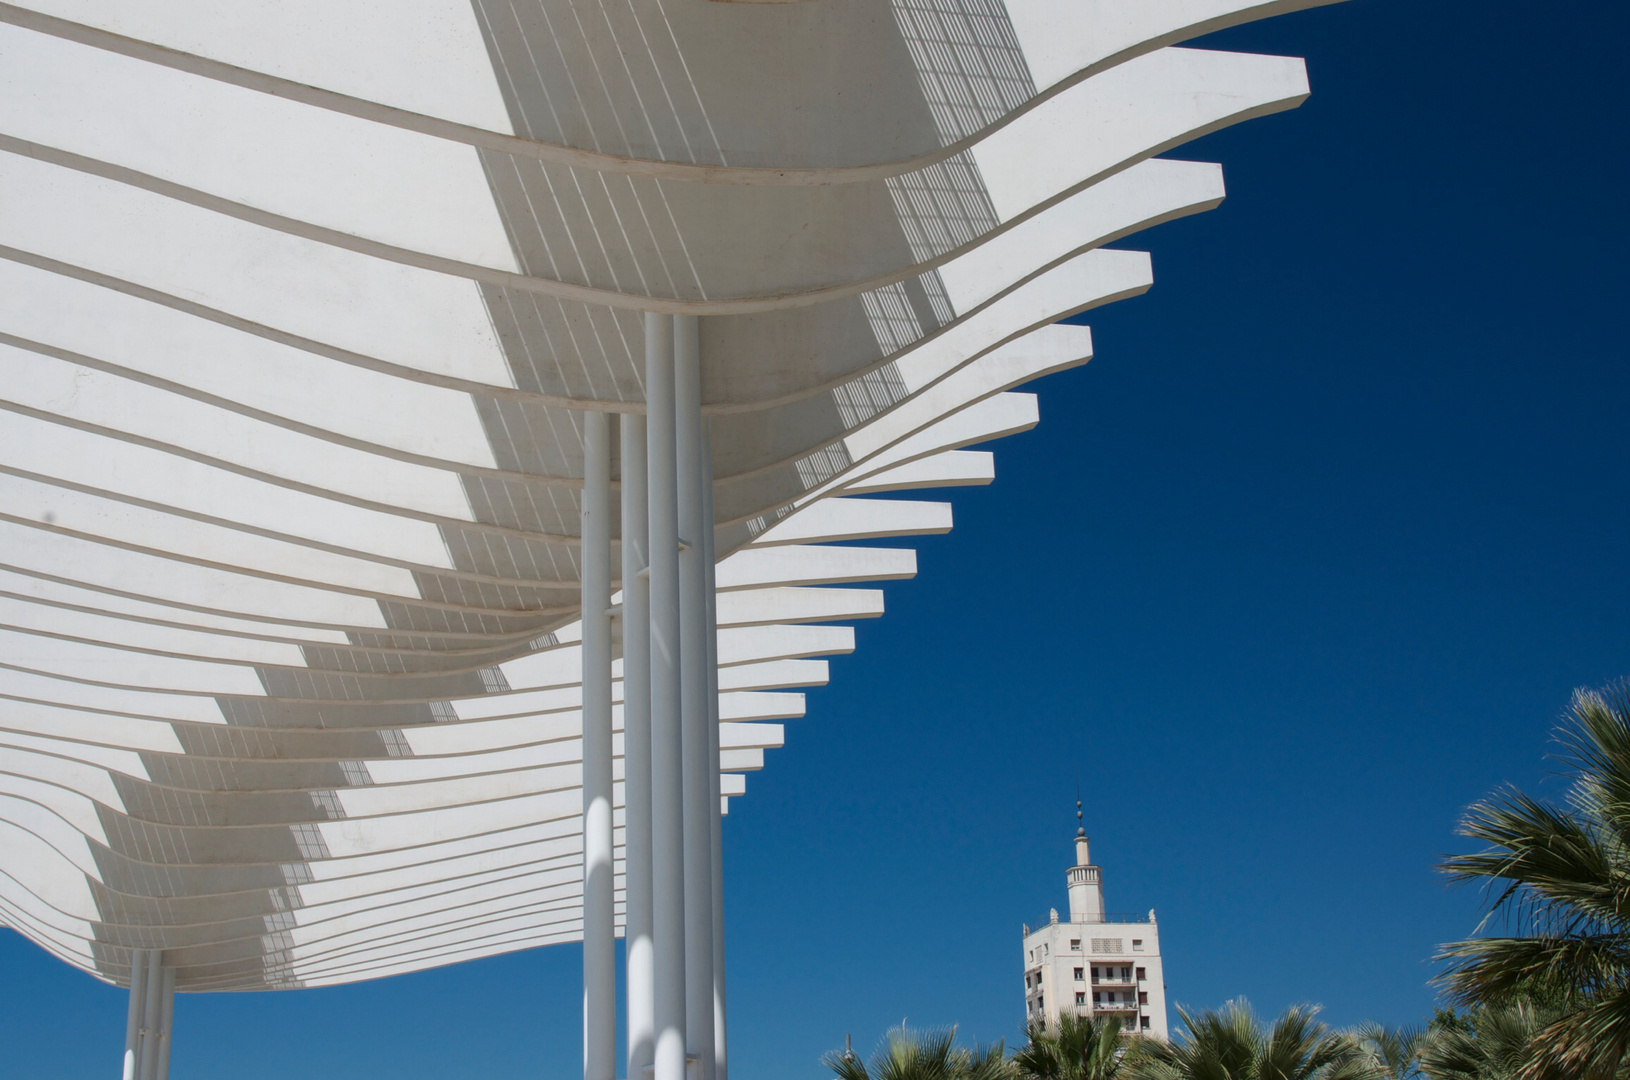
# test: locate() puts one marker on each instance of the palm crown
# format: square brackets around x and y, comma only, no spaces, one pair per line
[1232,1044]
[1080,1048]
[1562,874]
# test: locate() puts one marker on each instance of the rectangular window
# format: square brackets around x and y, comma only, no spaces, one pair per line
[1112,997]
[1137,944]
[1142,974]
[1126,974]
[1080,999]
[1079,974]
[1146,1021]
[1094,974]
[1095,997]
[1143,997]
[1075,944]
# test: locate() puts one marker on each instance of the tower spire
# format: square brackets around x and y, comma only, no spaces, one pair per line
[1085,880]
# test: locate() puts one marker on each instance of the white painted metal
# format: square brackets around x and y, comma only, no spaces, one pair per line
[152,1011]
[721,1054]
[166,1025]
[137,1011]
[667,778]
[636,623]
[701,808]
[599,929]
[294,346]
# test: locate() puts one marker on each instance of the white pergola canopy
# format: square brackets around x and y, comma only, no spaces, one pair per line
[302,306]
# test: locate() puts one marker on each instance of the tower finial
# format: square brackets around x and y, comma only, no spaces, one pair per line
[1080,829]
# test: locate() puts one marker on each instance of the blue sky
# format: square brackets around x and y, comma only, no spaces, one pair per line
[1309,557]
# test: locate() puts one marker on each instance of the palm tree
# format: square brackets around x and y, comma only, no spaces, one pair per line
[1490,1043]
[1232,1044]
[1083,1048]
[1562,875]
[1394,1051]
[907,1054]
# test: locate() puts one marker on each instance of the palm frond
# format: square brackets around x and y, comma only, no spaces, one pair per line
[1559,970]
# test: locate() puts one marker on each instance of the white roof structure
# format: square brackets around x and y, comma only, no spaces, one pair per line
[302,307]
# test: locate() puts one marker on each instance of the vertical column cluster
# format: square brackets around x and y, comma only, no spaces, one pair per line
[673,881]
[152,1011]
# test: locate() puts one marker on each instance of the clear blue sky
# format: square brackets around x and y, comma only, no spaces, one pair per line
[1310,556]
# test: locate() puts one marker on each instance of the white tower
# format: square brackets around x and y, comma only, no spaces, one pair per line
[1086,883]
[1095,962]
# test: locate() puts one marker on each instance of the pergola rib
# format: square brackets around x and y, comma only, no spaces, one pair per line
[297,346]
[1072,48]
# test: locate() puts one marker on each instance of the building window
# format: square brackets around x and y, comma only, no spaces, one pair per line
[1131,1023]
[1079,974]
[1142,974]
[1080,999]
[1075,944]
[1095,997]
[1137,944]
[1126,974]
[1143,997]
[1145,1021]
[1094,974]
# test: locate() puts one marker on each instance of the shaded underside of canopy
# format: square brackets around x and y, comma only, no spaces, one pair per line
[301,307]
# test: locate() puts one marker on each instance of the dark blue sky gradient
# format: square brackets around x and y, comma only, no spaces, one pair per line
[1310,556]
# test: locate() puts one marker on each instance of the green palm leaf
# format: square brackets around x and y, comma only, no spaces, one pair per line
[1553,999]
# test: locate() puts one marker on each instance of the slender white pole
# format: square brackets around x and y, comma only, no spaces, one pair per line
[599,919]
[636,748]
[667,833]
[152,999]
[721,1057]
[166,1020]
[133,1018]
[693,682]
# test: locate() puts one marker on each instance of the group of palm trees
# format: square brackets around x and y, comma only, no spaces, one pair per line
[1548,1000]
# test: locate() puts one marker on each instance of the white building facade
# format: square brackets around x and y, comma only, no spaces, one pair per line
[1095,962]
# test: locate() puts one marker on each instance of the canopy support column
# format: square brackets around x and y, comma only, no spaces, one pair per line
[166,1020]
[700,805]
[711,592]
[667,796]
[152,1006]
[599,925]
[133,1018]
[636,749]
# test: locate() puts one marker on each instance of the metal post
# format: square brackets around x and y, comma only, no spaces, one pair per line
[636,748]
[667,833]
[693,699]
[152,999]
[721,1057]
[599,929]
[133,1018]
[166,1020]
